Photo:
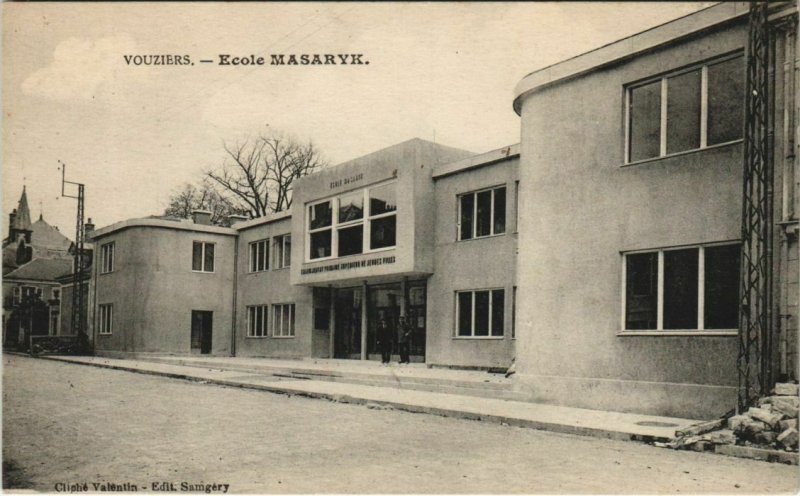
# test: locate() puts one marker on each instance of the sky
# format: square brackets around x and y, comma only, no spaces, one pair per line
[444,72]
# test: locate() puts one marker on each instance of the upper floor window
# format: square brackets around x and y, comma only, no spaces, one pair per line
[353,223]
[482,213]
[202,256]
[55,294]
[15,296]
[693,288]
[106,258]
[259,255]
[282,250]
[690,109]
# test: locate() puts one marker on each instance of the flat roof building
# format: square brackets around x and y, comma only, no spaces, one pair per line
[370,240]
[607,253]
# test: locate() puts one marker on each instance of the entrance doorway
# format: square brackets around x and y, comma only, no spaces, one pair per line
[384,302]
[201,331]
[347,335]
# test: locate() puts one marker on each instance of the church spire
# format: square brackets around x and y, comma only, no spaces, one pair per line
[22,221]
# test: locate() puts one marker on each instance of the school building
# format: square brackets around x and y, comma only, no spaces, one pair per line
[606,252]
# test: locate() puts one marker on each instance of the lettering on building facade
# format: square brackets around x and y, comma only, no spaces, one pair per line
[348,265]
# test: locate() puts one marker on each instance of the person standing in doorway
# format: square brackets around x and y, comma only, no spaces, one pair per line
[385,341]
[403,339]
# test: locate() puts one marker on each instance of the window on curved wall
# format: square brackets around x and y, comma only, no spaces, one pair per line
[688,109]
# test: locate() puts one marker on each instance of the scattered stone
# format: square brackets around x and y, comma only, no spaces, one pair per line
[786,389]
[765,437]
[788,438]
[788,424]
[765,416]
[786,405]
[724,436]
[701,428]
[737,422]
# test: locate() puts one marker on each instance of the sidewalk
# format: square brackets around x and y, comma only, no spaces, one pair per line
[257,374]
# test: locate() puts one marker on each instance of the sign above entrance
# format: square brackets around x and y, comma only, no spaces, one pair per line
[348,265]
[347,180]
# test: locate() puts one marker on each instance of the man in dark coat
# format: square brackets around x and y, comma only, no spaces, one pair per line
[384,341]
[403,339]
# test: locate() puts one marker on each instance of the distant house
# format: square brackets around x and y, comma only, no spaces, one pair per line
[37,269]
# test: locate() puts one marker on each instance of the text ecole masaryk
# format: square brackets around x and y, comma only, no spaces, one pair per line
[233,60]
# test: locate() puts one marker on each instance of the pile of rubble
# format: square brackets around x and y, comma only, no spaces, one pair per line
[770,425]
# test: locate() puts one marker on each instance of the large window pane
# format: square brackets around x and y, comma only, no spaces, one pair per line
[351,207]
[722,287]
[483,217]
[683,112]
[641,286]
[725,101]
[351,240]
[382,199]
[197,256]
[481,313]
[680,289]
[320,244]
[383,232]
[499,210]
[464,314]
[319,215]
[287,250]
[467,216]
[498,311]
[645,121]
[209,257]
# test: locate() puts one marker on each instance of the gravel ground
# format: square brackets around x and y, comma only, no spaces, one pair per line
[73,424]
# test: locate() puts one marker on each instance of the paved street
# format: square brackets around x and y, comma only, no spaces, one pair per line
[66,423]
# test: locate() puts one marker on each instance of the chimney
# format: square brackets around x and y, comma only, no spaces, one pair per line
[234,219]
[11,217]
[202,217]
[88,227]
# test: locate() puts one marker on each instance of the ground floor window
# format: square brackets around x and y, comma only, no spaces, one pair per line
[257,321]
[283,320]
[106,318]
[480,313]
[692,288]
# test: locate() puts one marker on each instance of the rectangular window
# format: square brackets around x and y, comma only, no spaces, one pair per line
[480,313]
[319,228]
[31,292]
[107,258]
[202,256]
[55,294]
[514,313]
[257,321]
[353,223]
[686,110]
[692,288]
[259,255]
[16,296]
[282,249]
[283,320]
[482,213]
[105,318]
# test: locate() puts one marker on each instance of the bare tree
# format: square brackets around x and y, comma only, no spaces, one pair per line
[259,173]
[190,197]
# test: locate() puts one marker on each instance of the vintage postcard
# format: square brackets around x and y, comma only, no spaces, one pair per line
[462,248]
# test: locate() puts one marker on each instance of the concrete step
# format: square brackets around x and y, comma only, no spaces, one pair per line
[468,383]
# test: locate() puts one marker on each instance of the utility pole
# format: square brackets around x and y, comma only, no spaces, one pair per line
[78,320]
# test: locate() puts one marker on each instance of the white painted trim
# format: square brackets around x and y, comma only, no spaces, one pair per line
[704,106]
[688,332]
[660,292]
[664,103]
[701,293]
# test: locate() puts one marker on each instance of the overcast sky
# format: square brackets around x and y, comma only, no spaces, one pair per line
[443,72]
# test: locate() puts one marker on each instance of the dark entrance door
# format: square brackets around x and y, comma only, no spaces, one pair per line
[347,334]
[385,301]
[201,331]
